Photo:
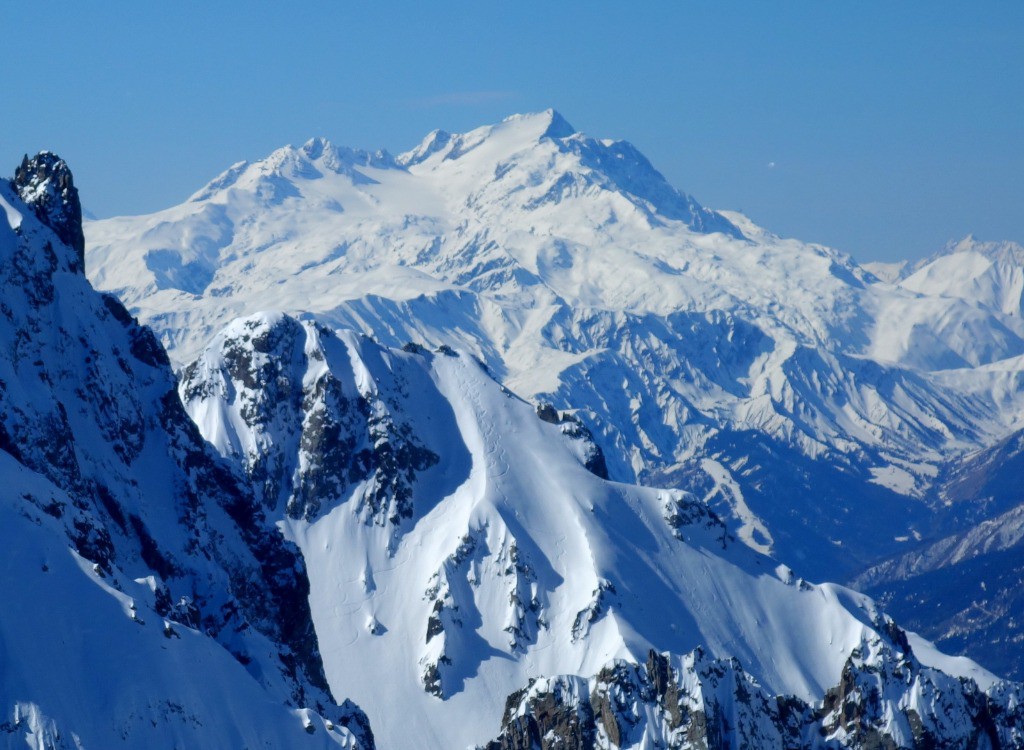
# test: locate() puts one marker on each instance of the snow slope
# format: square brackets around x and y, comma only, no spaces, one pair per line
[89,661]
[468,550]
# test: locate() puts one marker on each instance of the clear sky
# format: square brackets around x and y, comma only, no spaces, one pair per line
[884,129]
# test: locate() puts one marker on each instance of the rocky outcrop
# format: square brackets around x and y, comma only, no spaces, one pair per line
[454,613]
[44,183]
[306,436]
[590,453]
[885,699]
[701,703]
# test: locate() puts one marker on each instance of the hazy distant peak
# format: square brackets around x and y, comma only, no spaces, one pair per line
[514,132]
[550,123]
[314,148]
[989,273]
[224,180]
[998,250]
[435,141]
[306,162]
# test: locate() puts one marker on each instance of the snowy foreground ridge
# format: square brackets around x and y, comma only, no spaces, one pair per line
[473,551]
[342,524]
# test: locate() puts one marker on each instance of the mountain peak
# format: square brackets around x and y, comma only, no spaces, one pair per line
[546,124]
[559,127]
[45,183]
[550,121]
[999,252]
[996,249]
[965,243]
[515,131]
[314,148]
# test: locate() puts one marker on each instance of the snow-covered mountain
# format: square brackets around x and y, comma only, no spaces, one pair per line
[148,601]
[394,526]
[988,273]
[458,544]
[701,351]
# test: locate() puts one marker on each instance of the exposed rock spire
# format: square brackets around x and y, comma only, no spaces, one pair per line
[45,183]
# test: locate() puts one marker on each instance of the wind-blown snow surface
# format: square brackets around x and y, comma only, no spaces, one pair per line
[138,576]
[702,350]
[467,549]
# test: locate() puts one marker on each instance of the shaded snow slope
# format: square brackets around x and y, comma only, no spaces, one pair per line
[89,661]
[963,589]
[459,546]
[139,574]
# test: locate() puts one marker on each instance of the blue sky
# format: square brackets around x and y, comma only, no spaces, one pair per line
[883,129]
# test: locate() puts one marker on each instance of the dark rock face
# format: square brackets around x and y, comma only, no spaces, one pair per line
[681,513]
[600,601]
[554,717]
[885,699]
[44,182]
[453,643]
[317,438]
[88,403]
[591,455]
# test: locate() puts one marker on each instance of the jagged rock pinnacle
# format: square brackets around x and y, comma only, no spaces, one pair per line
[45,183]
